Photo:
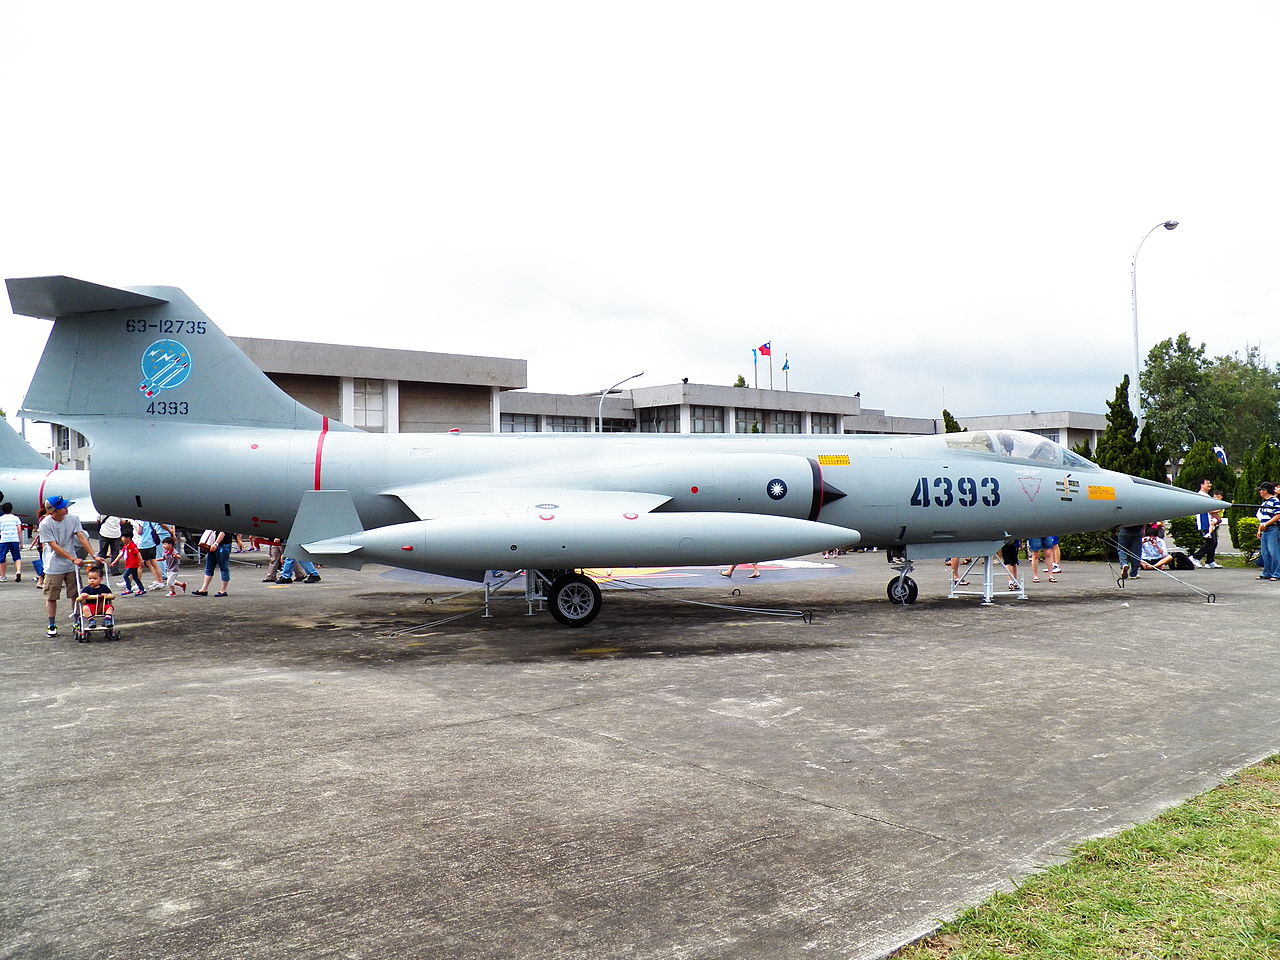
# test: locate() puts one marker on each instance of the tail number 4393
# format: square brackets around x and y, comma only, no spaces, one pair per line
[961,491]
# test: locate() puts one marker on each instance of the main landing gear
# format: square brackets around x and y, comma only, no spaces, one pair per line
[573,598]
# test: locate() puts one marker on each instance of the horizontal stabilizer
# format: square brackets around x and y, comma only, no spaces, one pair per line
[51,297]
[322,528]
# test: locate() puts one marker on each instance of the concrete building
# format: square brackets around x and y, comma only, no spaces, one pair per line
[703,408]
[389,391]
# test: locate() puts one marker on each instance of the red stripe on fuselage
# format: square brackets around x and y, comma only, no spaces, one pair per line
[42,483]
[324,429]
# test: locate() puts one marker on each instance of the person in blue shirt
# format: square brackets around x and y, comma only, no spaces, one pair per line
[147,537]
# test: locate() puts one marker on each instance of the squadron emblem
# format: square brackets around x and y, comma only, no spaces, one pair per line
[165,364]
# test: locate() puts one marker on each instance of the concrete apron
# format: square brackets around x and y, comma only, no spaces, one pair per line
[277,773]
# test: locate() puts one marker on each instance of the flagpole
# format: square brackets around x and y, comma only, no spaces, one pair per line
[770,364]
[786,372]
[755,369]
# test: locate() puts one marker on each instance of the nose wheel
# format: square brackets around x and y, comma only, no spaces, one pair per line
[902,590]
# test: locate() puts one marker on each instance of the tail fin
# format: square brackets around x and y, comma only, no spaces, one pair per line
[143,353]
[16,453]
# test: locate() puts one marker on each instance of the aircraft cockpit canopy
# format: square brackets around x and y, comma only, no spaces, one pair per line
[1017,445]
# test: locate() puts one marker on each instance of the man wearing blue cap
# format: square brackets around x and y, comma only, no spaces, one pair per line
[59,532]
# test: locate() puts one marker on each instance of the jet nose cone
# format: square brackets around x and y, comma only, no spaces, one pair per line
[1145,501]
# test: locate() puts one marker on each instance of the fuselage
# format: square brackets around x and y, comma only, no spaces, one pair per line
[897,490]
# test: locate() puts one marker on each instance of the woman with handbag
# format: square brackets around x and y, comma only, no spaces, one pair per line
[216,547]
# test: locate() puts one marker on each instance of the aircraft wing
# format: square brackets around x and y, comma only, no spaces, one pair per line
[443,501]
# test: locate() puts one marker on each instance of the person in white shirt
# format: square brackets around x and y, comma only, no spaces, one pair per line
[109,538]
[10,542]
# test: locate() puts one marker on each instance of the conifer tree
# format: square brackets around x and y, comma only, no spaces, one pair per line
[1117,447]
[950,424]
[1201,462]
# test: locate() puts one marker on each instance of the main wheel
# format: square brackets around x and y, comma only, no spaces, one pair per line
[574,599]
[903,590]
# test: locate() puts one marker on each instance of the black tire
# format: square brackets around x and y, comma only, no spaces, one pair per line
[902,590]
[574,600]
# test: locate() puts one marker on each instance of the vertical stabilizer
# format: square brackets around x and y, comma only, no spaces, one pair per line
[145,353]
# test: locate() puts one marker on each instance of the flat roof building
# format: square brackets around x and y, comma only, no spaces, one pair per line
[389,391]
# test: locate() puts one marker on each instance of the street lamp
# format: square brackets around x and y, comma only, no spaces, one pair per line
[605,393]
[1134,393]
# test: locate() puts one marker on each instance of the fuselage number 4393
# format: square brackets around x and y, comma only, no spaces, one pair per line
[962,491]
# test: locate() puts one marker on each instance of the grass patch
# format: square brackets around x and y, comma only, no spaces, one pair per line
[1235,560]
[1200,882]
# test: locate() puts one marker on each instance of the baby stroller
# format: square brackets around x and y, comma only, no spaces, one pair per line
[102,626]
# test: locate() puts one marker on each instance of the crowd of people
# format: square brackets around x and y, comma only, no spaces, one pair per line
[67,564]
[61,545]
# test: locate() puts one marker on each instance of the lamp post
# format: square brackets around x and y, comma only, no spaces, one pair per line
[605,393]
[1135,394]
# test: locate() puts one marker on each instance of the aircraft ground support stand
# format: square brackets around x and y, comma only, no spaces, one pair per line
[988,592]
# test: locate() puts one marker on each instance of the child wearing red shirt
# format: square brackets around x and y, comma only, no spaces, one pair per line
[132,558]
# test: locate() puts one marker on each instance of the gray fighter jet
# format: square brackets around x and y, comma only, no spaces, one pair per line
[27,478]
[183,426]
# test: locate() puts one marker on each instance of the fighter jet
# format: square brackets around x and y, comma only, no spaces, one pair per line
[183,426]
[27,478]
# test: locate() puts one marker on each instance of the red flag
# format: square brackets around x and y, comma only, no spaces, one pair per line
[766,349]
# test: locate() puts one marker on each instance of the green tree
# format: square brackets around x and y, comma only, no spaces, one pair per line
[1201,462]
[1118,447]
[1248,391]
[1176,399]
[741,381]
[1151,456]
[1259,464]
[950,424]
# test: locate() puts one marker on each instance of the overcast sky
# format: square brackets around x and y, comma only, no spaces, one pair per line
[931,203]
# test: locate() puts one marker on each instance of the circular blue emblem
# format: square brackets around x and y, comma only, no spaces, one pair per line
[777,489]
[165,364]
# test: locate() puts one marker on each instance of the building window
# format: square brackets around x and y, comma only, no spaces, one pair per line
[617,425]
[659,419]
[748,421]
[823,422]
[786,421]
[369,407]
[567,424]
[519,423]
[706,419]
[1051,434]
